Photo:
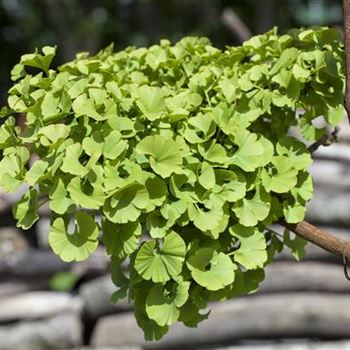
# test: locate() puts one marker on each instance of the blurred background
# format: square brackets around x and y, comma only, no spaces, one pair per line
[48,304]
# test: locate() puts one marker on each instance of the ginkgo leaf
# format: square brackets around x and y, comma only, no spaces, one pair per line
[296,245]
[121,240]
[250,151]
[71,163]
[252,250]
[126,204]
[214,153]
[76,246]
[165,154]
[37,170]
[282,178]
[25,211]
[150,100]
[207,176]
[86,195]
[159,265]
[162,305]
[60,202]
[251,211]
[206,219]
[211,269]
[156,225]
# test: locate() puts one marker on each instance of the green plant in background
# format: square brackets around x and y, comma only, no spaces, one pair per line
[178,157]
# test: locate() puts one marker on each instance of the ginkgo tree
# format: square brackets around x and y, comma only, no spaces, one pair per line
[177,158]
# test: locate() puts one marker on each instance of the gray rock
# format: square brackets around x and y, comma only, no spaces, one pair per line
[96,295]
[34,305]
[42,232]
[304,276]
[335,345]
[334,174]
[283,346]
[336,151]
[11,242]
[329,206]
[59,332]
[32,263]
[12,286]
[288,315]
[110,348]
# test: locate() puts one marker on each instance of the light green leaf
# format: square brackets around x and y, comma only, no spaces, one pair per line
[76,246]
[25,210]
[37,170]
[86,195]
[162,305]
[251,211]
[71,163]
[207,176]
[126,204]
[249,154]
[165,154]
[296,245]
[282,178]
[59,200]
[38,60]
[211,269]
[252,250]
[121,240]
[150,100]
[161,264]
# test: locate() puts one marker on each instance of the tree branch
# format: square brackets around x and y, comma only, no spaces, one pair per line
[325,140]
[346,16]
[321,238]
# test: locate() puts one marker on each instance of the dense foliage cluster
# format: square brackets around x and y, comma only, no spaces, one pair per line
[177,157]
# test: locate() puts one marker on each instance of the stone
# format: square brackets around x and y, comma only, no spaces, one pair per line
[13,286]
[289,315]
[96,295]
[281,345]
[40,304]
[304,276]
[60,332]
[327,173]
[32,263]
[42,232]
[329,206]
[110,348]
[11,242]
[336,151]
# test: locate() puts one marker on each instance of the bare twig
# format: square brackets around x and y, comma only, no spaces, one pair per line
[325,140]
[321,238]
[236,26]
[346,16]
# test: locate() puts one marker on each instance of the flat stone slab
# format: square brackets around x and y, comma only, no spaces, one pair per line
[334,345]
[33,305]
[289,315]
[304,276]
[96,295]
[63,331]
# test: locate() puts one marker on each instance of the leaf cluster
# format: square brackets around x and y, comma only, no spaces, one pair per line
[177,157]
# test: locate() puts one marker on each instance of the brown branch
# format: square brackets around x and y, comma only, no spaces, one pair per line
[346,16]
[325,140]
[321,238]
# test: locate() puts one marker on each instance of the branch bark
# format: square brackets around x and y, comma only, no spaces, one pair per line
[321,238]
[346,16]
